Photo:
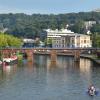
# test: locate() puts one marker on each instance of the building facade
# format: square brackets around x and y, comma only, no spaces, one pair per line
[66,38]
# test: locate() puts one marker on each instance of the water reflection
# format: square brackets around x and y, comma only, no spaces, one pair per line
[9,70]
[85,70]
[85,65]
[42,79]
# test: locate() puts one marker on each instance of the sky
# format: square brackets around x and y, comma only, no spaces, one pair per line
[48,6]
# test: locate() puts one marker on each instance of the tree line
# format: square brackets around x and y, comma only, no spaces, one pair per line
[22,25]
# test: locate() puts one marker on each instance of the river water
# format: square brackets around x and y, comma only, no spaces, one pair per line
[46,80]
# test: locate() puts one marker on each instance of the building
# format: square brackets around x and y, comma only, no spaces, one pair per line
[28,43]
[89,24]
[65,38]
[78,40]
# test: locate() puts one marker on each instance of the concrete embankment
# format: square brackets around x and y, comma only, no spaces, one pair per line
[91,57]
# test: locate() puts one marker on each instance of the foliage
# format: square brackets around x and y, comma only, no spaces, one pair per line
[31,26]
[78,27]
[9,41]
[95,28]
[96,40]
[49,41]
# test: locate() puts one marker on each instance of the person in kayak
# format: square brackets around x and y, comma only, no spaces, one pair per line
[92,90]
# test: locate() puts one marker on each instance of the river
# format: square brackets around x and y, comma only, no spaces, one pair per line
[46,80]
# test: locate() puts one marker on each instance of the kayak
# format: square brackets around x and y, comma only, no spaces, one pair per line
[92,93]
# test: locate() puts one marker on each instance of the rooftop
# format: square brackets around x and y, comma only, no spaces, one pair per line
[59,31]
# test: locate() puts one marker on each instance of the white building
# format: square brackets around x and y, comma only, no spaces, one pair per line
[66,38]
[28,40]
[89,24]
[79,40]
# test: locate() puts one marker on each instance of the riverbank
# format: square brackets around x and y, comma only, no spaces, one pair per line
[91,57]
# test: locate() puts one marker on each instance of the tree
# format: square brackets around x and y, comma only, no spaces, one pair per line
[95,28]
[97,41]
[49,42]
[78,27]
[9,41]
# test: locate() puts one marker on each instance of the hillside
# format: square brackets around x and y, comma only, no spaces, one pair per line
[22,25]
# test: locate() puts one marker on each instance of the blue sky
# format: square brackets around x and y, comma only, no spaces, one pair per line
[47,6]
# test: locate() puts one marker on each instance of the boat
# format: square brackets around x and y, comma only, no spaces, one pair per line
[92,91]
[10,60]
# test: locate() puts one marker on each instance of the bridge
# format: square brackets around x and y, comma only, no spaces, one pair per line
[53,52]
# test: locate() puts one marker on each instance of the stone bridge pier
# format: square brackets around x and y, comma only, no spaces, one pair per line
[76,55]
[29,55]
[53,56]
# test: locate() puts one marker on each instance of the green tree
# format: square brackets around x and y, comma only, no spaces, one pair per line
[97,41]
[49,42]
[95,28]
[9,41]
[78,27]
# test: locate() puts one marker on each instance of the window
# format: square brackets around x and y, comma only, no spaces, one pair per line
[84,41]
[72,40]
[62,41]
[81,41]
